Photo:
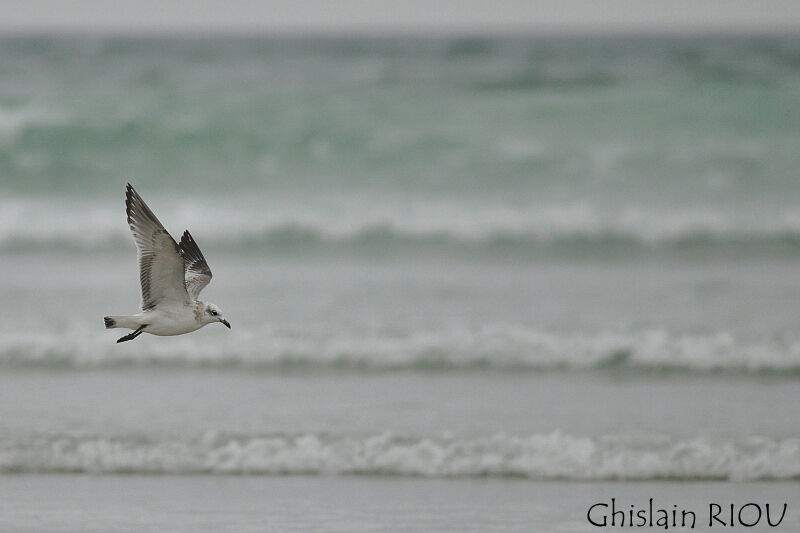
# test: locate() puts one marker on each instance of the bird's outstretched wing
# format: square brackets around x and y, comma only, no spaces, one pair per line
[161,263]
[198,275]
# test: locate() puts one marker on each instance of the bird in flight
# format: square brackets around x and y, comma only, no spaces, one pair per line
[171,277]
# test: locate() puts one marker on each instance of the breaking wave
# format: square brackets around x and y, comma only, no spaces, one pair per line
[553,456]
[27,225]
[499,347]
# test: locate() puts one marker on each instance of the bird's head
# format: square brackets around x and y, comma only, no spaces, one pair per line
[214,314]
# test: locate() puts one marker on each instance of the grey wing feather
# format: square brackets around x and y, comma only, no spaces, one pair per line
[198,274]
[161,264]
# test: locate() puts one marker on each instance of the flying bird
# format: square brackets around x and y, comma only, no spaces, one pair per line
[171,276]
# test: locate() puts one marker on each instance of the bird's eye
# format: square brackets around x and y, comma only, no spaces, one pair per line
[213,313]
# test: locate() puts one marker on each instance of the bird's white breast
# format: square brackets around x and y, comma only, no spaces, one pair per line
[173,320]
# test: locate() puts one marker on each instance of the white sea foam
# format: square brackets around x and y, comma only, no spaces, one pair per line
[13,121]
[30,223]
[540,456]
[494,347]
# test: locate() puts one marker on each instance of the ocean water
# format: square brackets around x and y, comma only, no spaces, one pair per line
[474,283]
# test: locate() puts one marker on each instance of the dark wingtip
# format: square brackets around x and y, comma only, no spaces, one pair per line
[129,192]
[110,322]
[190,245]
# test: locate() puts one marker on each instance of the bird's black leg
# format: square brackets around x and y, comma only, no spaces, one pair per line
[131,336]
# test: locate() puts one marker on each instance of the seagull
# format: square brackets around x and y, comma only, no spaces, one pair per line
[171,277]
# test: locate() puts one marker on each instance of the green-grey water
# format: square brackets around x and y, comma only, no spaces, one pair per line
[533,260]
[589,145]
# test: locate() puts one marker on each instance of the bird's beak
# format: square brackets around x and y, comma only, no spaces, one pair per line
[228,324]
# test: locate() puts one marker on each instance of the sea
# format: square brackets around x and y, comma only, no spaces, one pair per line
[475,283]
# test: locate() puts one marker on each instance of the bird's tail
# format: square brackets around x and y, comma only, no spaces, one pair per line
[120,322]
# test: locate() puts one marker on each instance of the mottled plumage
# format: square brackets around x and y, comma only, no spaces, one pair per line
[171,276]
